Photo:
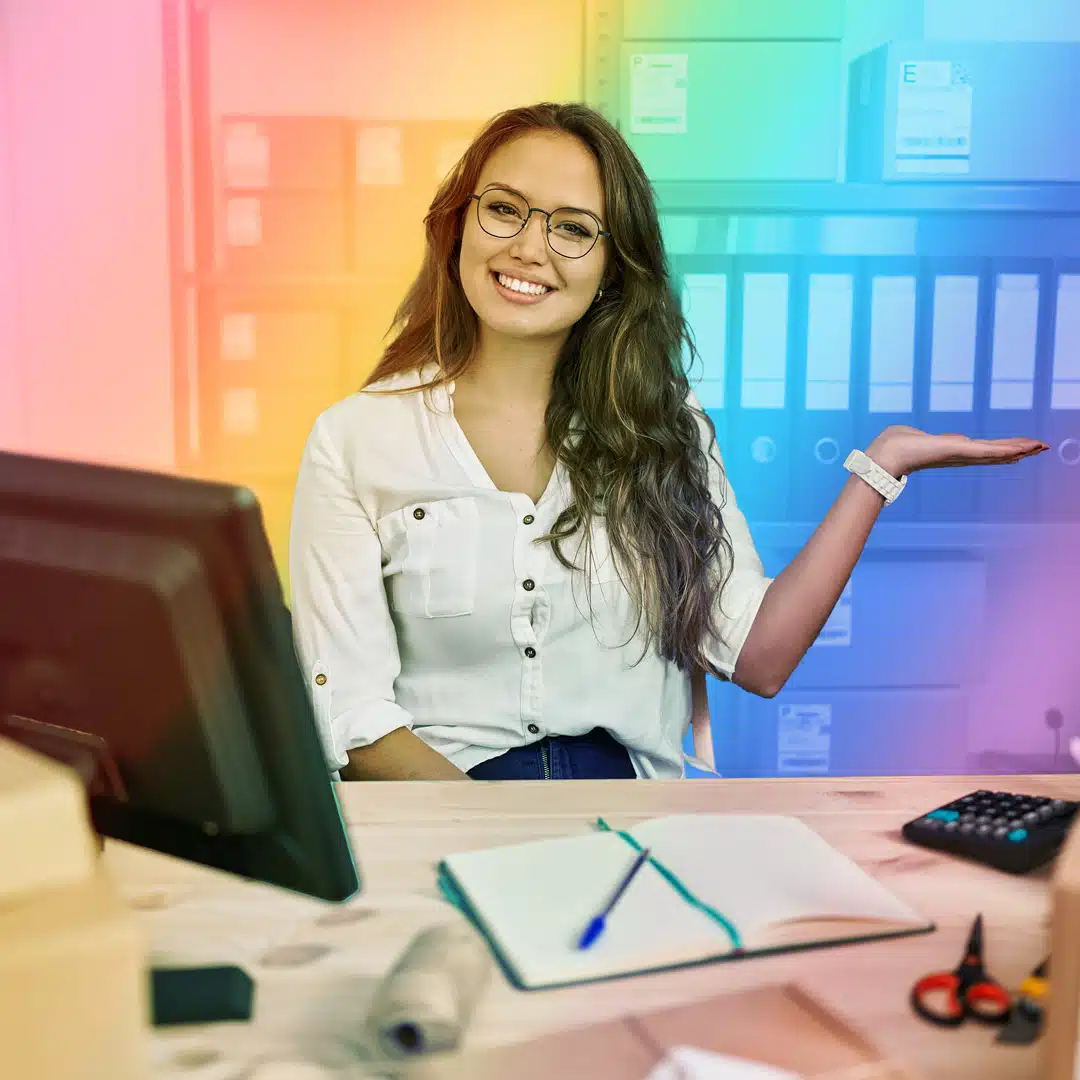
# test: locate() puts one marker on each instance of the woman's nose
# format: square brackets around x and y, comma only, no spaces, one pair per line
[532,240]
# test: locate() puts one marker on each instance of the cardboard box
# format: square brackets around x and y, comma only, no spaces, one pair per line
[725,111]
[282,235]
[276,371]
[74,994]
[975,112]
[400,165]
[284,153]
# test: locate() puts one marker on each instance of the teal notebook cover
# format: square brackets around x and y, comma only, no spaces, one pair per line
[716,887]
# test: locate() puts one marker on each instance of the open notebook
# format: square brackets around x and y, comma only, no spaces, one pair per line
[716,886]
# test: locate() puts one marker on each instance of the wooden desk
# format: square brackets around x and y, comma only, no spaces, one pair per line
[400,831]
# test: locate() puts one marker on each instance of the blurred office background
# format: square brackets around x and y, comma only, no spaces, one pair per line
[210,208]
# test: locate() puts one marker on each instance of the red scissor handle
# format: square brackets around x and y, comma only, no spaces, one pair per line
[936,997]
[988,1001]
[939,998]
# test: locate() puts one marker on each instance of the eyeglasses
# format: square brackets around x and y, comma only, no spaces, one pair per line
[570,233]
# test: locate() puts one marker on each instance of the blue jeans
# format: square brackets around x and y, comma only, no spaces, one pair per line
[595,756]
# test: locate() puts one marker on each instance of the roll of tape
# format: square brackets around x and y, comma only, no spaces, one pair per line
[425,1003]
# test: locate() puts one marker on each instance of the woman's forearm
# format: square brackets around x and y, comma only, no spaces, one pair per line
[800,599]
[399,755]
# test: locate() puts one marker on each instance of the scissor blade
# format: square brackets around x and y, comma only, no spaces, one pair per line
[975,941]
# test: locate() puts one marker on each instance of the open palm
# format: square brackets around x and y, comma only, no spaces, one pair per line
[914,449]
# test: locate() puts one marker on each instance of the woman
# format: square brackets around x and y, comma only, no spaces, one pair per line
[532,419]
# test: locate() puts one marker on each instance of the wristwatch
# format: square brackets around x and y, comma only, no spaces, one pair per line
[885,484]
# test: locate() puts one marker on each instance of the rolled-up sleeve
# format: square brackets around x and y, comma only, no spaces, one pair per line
[344,634]
[738,602]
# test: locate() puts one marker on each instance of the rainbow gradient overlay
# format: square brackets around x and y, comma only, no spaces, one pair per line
[209,213]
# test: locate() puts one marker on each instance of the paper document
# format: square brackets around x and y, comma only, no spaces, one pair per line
[689,1063]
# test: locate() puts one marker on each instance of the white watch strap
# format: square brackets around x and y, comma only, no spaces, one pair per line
[884,483]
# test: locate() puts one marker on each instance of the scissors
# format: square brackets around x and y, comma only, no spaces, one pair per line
[968,990]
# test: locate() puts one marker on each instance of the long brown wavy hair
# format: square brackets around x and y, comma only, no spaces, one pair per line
[618,419]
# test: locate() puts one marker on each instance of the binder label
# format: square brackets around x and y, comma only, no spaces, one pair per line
[933,118]
[803,735]
[240,411]
[379,159]
[658,93]
[243,222]
[238,336]
[247,156]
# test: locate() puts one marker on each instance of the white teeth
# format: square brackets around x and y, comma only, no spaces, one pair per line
[528,287]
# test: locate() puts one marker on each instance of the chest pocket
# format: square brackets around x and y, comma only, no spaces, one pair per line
[430,557]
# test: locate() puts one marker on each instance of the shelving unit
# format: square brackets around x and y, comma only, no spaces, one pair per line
[796,228]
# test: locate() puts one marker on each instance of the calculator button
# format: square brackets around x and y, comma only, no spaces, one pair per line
[967,827]
[1000,833]
[1045,812]
[1018,834]
[951,826]
[1058,806]
[1030,818]
[982,830]
[943,815]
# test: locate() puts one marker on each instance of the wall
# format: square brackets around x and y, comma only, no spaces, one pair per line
[11,403]
[88,198]
[429,59]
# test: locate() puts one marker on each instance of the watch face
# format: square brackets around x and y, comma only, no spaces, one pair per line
[861,466]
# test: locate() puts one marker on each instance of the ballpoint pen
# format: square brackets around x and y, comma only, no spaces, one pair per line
[596,924]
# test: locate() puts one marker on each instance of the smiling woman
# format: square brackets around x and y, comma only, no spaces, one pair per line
[529,438]
[527,441]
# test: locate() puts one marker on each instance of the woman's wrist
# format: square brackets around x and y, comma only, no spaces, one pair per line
[883,453]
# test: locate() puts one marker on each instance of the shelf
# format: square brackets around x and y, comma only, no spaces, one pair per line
[708,197]
[933,536]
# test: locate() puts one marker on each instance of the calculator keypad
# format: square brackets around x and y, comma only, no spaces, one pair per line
[1010,831]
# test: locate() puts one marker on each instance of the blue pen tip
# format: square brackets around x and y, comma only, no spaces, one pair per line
[592,932]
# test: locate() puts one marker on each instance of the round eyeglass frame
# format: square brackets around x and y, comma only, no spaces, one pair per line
[547,214]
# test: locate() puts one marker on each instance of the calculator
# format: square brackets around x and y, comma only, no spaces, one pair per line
[1002,829]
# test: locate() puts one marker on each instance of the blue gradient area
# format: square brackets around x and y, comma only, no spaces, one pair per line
[937,286]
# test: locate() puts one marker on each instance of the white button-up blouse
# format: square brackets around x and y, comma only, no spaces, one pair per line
[420,601]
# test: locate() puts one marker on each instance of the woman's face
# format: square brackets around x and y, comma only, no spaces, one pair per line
[548,171]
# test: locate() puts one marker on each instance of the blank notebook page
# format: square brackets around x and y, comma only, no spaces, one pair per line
[534,899]
[765,869]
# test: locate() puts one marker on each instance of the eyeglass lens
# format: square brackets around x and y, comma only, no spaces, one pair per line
[570,232]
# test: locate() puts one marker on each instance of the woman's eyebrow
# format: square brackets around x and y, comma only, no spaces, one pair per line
[507,187]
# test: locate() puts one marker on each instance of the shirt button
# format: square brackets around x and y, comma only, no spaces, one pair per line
[533,729]
[320,679]
[528,519]
[530,652]
[528,584]
[418,513]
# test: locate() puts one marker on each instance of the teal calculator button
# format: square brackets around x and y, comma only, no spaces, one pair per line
[944,815]
[1018,834]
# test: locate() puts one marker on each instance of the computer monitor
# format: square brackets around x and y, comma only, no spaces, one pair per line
[145,641]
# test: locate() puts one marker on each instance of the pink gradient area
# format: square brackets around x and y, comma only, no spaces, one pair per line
[1031,661]
[86,202]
